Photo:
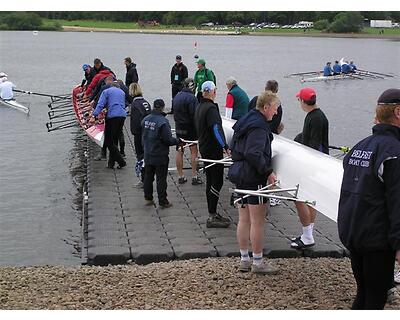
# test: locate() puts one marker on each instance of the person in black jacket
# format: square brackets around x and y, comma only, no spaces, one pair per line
[212,145]
[89,74]
[251,170]
[184,105]
[98,66]
[131,72]
[139,109]
[179,73]
[369,205]
[157,138]
[315,135]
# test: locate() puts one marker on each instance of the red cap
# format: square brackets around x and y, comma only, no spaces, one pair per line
[306,94]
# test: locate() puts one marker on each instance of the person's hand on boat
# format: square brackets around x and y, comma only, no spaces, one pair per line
[92,120]
[228,152]
[272,178]
[180,144]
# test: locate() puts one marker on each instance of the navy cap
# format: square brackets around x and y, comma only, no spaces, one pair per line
[390,96]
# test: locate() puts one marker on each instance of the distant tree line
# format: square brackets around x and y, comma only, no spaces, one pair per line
[332,21]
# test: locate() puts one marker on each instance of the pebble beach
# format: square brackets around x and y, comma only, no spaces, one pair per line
[210,284]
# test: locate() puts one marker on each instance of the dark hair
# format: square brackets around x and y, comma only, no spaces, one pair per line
[128,59]
[97,60]
[272,85]
[311,102]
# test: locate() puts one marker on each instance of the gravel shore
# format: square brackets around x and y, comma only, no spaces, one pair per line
[212,283]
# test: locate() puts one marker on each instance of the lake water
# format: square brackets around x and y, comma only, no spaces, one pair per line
[39,216]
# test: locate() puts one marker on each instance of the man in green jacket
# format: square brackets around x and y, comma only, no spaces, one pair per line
[202,75]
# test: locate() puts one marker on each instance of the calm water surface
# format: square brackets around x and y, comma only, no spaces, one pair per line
[39,218]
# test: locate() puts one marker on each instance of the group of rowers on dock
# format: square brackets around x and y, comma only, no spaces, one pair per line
[343,67]
[369,207]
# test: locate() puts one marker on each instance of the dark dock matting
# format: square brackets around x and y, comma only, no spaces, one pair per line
[119,227]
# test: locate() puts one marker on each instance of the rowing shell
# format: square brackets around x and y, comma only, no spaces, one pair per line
[329,78]
[81,108]
[14,104]
[319,175]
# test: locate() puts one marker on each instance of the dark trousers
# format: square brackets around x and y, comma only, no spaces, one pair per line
[112,133]
[175,89]
[199,96]
[214,182]
[137,140]
[121,141]
[161,173]
[374,272]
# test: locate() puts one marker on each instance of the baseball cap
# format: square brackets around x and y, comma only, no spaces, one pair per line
[158,104]
[85,67]
[306,94]
[201,61]
[208,86]
[178,57]
[390,96]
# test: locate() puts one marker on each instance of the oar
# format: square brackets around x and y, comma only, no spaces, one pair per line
[43,94]
[344,149]
[301,73]
[382,74]
[366,74]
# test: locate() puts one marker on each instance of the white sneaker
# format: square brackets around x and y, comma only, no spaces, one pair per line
[397,277]
[274,202]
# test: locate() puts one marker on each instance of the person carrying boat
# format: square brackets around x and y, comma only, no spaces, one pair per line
[139,109]
[131,72]
[315,135]
[353,67]
[252,170]
[337,69]
[202,74]
[212,145]
[328,70]
[184,105]
[237,100]
[157,138]
[369,205]
[179,73]
[112,99]
[99,66]
[6,89]
[89,74]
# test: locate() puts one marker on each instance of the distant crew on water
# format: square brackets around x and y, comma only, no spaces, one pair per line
[328,70]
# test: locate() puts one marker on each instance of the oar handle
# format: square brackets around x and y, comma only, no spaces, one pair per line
[344,149]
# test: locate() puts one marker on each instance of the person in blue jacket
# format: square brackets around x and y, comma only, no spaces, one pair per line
[251,170]
[157,138]
[369,205]
[328,70]
[346,69]
[337,69]
[112,99]
[353,67]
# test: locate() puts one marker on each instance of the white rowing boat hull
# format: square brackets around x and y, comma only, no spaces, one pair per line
[330,78]
[14,104]
[319,175]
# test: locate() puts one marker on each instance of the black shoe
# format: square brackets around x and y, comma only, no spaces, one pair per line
[196,181]
[109,166]
[123,154]
[123,164]
[166,204]
[218,221]
[182,180]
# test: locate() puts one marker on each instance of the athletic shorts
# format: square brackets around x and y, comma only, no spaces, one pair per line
[250,199]
[189,134]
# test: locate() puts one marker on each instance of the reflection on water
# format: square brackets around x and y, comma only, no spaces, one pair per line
[40,173]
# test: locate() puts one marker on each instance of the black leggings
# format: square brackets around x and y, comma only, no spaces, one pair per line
[374,272]
[112,133]
[161,173]
[215,180]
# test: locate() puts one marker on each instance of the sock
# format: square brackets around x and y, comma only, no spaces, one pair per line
[257,258]
[244,255]
[312,226]
[307,236]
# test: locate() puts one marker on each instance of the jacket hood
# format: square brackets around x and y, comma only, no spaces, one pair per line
[252,120]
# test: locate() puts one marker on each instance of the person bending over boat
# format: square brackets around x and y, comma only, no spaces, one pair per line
[328,70]
[184,105]
[237,100]
[252,170]
[315,135]
[112,99]
[212,145]
[202,74]
[6,89]
[157,138]
[89,75]
[337,69]
[99,66]
[139,109]
[369,205]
